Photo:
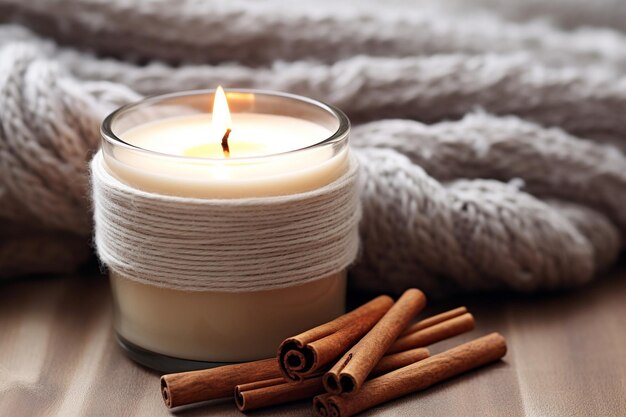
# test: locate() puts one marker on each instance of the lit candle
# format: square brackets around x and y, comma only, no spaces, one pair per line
[271,144]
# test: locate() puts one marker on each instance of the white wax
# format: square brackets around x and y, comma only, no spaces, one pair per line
[213,326]
[252,135]
[242,175]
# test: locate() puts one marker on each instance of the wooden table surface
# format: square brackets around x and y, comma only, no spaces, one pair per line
[567,357]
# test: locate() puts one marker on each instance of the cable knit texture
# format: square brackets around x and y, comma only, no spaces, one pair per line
[491,144]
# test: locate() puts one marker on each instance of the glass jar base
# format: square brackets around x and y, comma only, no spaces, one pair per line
[163,363]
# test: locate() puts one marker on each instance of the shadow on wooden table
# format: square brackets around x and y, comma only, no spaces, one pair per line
[58,356]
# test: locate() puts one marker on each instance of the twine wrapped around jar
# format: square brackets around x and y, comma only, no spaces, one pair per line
[228,245]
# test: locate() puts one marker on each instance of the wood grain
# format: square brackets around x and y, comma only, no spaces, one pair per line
[566,357]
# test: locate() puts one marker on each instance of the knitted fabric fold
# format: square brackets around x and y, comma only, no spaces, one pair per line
[492,147]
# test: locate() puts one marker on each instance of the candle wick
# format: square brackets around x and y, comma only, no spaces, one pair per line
[225,146]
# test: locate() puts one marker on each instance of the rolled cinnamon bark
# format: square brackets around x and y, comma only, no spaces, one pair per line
[209,384]
[351,371]
[415,377]
[320,405]
[395,361]
[196,386]
[275,391]
[436,333]
[189,387]
[302,355]
[436,319]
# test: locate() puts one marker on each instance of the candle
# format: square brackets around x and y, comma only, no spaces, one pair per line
[270,145]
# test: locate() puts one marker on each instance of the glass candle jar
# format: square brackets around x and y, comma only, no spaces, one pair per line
[280,144]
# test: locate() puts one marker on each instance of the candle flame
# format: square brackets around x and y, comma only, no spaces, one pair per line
[220,119]
[220,129]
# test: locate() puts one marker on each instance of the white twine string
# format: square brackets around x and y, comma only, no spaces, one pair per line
[228,245]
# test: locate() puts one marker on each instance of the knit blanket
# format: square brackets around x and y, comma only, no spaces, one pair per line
[491,144]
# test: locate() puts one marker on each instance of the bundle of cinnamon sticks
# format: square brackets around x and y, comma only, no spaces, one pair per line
[366,357]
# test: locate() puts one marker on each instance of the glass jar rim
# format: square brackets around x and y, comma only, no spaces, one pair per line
[106,129]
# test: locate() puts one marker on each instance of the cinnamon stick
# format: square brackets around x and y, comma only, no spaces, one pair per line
[320,405]
[415,377]
[394,361]
[275,391]
[196,386]
[436,333]
[304,354]
[436,319]
[209,384]
[189,387]
[350,372]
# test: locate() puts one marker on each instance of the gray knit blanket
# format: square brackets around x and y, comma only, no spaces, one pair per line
[491,143]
